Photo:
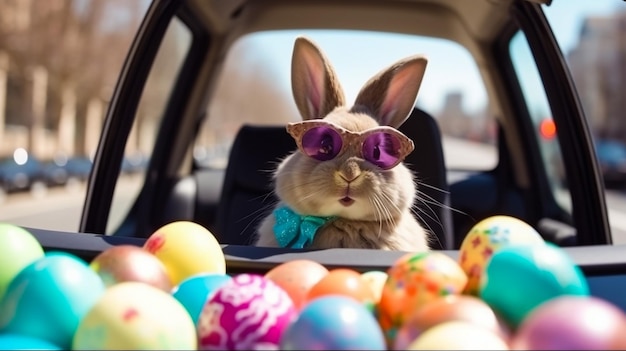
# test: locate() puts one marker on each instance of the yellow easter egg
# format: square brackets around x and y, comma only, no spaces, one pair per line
[136,316]
[485,238]
[186,249]
[376,280]
[414,280]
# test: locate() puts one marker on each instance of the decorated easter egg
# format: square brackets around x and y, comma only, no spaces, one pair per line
[376,280]
[333,322]
[194,291]
[487,237]
[130,263]
[458,335]
[136,316]
[249,312]
[49,297]
[297,277]
[448,308]
[346,282]
[519,278]
[414,280]
[571,323]
[186,248]
[18,248]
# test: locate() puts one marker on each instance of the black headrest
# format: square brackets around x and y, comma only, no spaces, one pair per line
[428,163]
[427,160]
[258,150]
[247,193]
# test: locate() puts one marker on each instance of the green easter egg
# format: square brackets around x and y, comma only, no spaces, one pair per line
[18,248]
[519,278]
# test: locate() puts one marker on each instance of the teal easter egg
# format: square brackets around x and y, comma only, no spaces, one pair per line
[194,291]
[18,249]
[23,342]
[519,278]
[47,299]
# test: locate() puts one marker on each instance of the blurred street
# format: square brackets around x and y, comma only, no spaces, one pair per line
[60,208]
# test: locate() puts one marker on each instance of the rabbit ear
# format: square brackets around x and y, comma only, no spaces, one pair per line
[315,87]
[390,95]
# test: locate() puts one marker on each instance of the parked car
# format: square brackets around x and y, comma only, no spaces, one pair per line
[21,172]
[66,171]
[190,63]
[79,168]
[54,171]
[612,159]
[134,163]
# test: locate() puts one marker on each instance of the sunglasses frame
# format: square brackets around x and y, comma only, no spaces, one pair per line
[350,138]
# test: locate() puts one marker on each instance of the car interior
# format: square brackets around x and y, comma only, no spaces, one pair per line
[230,200]
[230,203]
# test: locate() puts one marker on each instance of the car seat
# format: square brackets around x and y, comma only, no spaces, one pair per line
[247,194]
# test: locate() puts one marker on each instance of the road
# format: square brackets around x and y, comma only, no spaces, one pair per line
[60,209]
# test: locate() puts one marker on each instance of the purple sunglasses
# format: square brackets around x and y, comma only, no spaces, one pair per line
[383,146]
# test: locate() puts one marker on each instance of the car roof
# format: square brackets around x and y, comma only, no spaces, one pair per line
[466,21]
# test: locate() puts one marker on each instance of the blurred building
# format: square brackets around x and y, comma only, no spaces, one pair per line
[455,121]
[598,67]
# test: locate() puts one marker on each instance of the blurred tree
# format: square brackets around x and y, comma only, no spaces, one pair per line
[64,55]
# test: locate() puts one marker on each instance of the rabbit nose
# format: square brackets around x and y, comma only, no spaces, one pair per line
[349,171]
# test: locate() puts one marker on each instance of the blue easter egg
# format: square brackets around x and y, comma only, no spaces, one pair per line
[519,278]
[334,322]
[23,342]
[48,298]
[194,291]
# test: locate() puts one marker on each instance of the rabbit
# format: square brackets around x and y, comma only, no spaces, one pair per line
[346,201]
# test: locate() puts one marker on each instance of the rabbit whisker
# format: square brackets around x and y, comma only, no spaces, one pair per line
[386,203]
[378,209]
[427,199]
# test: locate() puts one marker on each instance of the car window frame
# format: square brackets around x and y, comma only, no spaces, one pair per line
[120,118]
[589,212]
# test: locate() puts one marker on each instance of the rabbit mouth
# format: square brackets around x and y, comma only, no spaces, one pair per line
[346,201]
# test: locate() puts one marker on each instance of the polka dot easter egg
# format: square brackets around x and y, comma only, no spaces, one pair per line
[414,280]
[487,237]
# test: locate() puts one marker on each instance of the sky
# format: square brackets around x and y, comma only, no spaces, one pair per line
[356,59]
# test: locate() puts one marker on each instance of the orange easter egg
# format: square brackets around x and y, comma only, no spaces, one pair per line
[414,280]
[297,278]
[343,281]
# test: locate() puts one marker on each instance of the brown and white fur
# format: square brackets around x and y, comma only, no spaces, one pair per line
[380,217]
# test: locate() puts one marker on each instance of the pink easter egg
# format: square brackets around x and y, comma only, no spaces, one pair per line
[249,312]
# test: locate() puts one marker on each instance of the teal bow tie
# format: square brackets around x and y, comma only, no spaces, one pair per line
[294,230]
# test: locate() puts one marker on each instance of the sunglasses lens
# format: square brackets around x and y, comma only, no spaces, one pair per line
[321,143]
[382,149]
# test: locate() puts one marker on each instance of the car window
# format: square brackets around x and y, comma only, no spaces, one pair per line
[540,114]
[255,86]
[591,37]
[140,143]
[59,62]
